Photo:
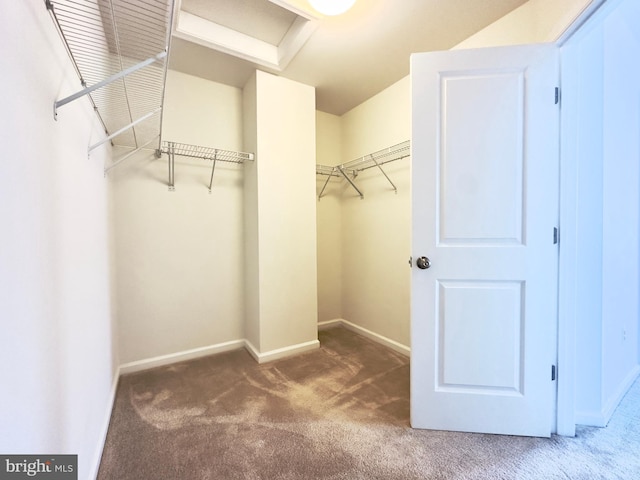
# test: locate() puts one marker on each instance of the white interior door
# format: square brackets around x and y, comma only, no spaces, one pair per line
[485,173]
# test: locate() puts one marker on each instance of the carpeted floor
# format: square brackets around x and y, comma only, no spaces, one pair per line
[341,412]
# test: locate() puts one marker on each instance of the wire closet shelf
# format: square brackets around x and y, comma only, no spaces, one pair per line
[171,149]
[119,51]
[350,170]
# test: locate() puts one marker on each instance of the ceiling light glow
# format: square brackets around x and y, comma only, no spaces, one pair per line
[332,7]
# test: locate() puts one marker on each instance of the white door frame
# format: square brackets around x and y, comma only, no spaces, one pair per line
[568,272]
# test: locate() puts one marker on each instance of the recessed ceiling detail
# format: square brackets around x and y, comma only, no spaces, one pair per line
[268,33]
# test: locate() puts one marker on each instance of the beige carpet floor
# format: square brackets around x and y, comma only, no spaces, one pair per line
[341,412]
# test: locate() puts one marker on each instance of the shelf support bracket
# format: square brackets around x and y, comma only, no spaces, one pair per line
[351,182]
[325,185]
[171,155]
[106,81]
[213,169]
[395,189]
[124,129]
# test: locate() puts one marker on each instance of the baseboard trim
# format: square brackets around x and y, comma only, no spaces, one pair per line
[162,360]
[105,425]
[376,337]
[591,419]
[336,322]
[279,353]
[616,398]
[600,418]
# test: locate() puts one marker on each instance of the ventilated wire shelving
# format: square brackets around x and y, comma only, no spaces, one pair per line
[119,50]
[350,170]
[205,153]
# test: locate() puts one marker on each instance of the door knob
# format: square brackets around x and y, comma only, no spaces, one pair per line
[423,263]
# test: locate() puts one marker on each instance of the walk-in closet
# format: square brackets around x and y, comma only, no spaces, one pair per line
[182,181]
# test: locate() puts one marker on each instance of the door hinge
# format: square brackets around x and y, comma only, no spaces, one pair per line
[553,373]
[411,261]
[556,236]
[557,95]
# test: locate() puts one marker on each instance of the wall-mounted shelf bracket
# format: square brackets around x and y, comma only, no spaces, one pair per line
[125,128]
[213,169]
[395,189]
[341,169]
[106,81]
[327,171]
[205,153]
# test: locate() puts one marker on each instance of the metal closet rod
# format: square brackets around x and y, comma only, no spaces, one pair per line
[351,169]
[204,153]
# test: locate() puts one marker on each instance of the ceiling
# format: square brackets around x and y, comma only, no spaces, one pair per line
[348,58]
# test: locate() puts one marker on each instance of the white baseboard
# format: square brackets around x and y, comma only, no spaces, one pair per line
[162,360]
[387,342]
[601,417]
[590,418]
[280,352]
[105,425]
[337,322]
[616,398]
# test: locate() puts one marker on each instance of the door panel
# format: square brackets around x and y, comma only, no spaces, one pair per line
[481,201]
[463,337]
[485,205]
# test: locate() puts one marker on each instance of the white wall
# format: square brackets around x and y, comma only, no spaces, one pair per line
[182,269]
[57,346]
[329,218]
[603,142]
[536,21]
[376,230]
[180,254]
[621,202]
[281,197]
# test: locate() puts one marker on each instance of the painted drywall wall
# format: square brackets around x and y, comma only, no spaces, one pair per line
[283,178]
[621,203]
[376,230]
[602,138]
[179,254]
[329,218]
[57,344]
[536,21]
